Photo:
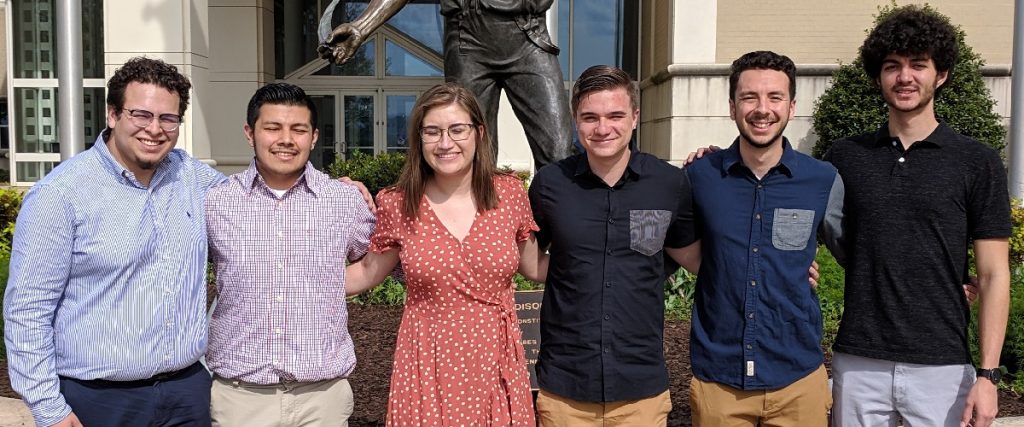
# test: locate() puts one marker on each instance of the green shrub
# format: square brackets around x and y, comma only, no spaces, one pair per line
[1017,236]
[1012,356]
[389,292]
[853,105]
[679,295]
[10,204]
[375,172]
[831,282]
[524,284]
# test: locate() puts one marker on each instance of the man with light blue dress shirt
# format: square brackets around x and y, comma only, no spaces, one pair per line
[105,308]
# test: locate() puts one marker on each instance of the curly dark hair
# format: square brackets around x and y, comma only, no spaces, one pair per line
[910,31]
[147,70]
[762,60]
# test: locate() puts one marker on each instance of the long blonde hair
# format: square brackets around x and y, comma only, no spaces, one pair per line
[416,171]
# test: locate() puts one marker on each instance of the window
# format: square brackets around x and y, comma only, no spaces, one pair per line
[596,32]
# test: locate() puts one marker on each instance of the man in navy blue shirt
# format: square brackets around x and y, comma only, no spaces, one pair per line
[756,333]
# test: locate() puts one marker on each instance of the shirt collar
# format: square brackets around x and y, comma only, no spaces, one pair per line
[112,166]
[942,136]
[311,182]
[633,169]
[732,162]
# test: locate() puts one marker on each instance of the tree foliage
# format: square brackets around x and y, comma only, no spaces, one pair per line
[853,105]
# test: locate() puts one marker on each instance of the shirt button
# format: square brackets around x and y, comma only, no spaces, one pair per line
[757,216]
[606,349]
[894,143]
[607,284]
[751,315]
[755,250]
[901,160]
[280,233]
[609,251]
[280,264]
[749,347]
[760,186]
[607,317]
[611,221]
[279,298]
[278,330]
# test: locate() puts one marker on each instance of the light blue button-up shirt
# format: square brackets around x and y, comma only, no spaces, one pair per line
[107,276]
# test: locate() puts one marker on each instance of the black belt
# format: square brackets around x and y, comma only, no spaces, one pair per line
[161,377]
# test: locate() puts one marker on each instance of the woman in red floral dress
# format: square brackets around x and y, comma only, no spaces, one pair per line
[461,231]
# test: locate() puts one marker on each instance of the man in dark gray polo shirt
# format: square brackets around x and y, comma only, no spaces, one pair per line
[917,195]
[605,215]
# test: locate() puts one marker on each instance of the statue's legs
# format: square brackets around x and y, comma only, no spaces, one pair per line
[487,53]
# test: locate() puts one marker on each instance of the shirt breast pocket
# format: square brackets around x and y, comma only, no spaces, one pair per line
[791,229]
[647,229]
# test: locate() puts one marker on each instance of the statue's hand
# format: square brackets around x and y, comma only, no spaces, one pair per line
[341,44]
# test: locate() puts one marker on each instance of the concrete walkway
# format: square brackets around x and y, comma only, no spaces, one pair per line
[13,413]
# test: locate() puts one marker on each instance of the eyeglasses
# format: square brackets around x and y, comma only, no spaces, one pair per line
[142,118]
[457,132]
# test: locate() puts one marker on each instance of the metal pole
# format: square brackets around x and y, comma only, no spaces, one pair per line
[1016,147]
[69,78]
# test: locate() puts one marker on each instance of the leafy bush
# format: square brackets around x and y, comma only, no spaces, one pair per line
[375,172]
[389,292]
[10,205]
[679,290]
[831,283]
[1013,347]
[1017,236]
[853,104]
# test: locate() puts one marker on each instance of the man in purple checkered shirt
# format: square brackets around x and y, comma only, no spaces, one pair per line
[279,234]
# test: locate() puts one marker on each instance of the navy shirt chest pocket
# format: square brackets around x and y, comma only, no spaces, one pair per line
[647,229]
[791,228]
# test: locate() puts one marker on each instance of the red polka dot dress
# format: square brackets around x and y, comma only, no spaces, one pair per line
[458,360]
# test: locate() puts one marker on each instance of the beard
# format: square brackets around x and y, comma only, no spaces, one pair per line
[926,96]
[747,138]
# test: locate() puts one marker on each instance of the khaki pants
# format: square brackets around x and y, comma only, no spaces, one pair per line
[323,403]
[803,403]
[558,411]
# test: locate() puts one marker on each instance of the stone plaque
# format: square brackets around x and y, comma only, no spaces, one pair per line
[528,311]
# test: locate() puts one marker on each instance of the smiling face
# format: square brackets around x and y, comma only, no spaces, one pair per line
[762,106]
[908,83]
[141,149]
[447,157]
[282,137]
[605,121]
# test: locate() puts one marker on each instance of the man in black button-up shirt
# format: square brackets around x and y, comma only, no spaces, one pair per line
[607,214]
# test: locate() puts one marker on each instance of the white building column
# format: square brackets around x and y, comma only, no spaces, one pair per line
[177,32]
[241,61]
[677,35]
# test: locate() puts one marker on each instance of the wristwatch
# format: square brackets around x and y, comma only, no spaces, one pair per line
[993,375]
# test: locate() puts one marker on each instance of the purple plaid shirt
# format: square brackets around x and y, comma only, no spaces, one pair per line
[281,314]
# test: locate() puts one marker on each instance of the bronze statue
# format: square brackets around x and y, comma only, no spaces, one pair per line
[489,45]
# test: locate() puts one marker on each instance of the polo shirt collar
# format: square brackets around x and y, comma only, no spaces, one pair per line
[311,182]
[942,136]
[633,169]
[732,162]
